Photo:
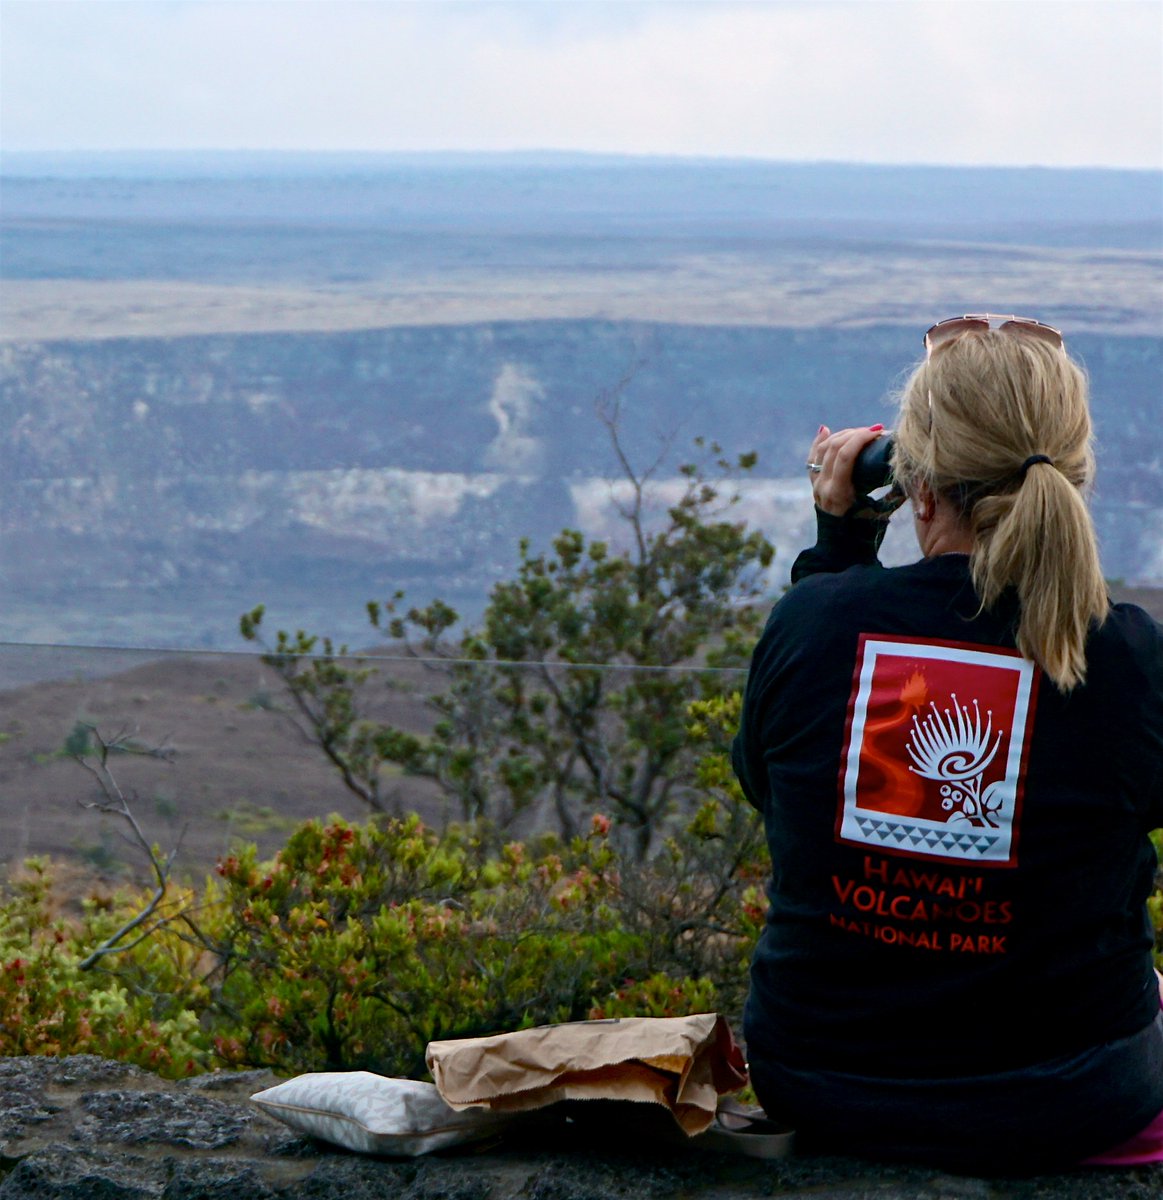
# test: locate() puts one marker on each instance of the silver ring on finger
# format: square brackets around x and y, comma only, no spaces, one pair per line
[815,468]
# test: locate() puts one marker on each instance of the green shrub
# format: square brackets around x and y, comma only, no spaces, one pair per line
[658,996]
[359,944]
[144,1014]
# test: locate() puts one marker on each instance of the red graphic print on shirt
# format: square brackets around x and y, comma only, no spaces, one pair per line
[937,734]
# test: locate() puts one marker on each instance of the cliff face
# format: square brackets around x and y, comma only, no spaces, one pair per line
[164,485]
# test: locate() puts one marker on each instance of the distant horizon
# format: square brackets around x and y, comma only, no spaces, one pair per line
[571,193]
[533,157]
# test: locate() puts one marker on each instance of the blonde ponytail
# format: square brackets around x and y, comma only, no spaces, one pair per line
[1001,423]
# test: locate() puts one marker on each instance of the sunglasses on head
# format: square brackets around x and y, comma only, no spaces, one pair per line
[953,327]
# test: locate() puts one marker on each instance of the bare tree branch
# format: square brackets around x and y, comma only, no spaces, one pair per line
[115,803]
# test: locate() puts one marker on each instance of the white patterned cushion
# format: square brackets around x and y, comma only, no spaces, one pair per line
[374,1114]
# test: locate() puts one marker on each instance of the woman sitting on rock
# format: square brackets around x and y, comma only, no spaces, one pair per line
[958,764]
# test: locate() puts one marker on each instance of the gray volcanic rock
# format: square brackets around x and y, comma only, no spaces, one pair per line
[83,1128]
[133,1117]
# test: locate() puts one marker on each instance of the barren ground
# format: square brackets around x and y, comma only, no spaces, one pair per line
[237,771]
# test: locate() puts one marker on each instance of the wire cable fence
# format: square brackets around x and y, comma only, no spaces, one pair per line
[118,654]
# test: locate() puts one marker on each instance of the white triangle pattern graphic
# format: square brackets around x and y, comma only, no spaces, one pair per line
[898,832]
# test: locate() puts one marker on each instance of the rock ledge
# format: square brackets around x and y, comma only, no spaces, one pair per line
[84,1128]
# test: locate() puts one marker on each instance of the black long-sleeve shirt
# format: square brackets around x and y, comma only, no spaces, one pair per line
[960,859]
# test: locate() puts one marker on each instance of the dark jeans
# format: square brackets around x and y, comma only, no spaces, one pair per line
[1045,1117]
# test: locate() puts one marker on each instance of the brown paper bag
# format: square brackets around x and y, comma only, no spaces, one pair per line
[682,1063]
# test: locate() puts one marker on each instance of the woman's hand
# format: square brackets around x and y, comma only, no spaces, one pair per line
[835,454]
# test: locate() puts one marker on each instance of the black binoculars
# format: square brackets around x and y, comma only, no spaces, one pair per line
[872,469]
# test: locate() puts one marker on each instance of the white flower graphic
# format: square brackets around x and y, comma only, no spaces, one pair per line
[952,748]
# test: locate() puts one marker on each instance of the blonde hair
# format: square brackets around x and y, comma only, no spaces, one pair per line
[971,418]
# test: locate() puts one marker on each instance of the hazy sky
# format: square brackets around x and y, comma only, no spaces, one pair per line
[952,81]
